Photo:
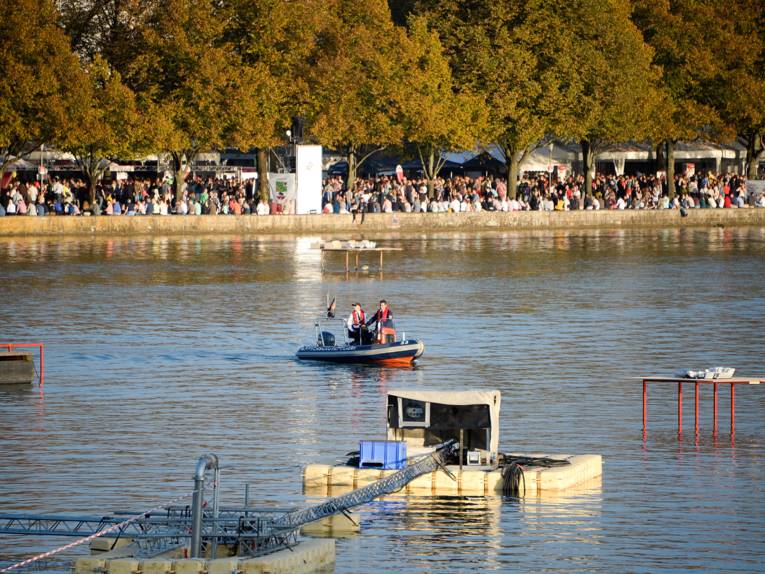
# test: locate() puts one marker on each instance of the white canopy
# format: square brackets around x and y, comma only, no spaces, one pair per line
[492,399]
[20,164]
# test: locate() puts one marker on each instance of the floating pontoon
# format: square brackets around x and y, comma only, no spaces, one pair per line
[418,421]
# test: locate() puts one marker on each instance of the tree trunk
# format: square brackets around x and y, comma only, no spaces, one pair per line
[90,181]
[91,174]
[181,161]
[670,158]
[429,173]
[588,161]
[180,183]
[659,156]
[351,168]
[91,191]
[263,191]
[513,167]
[754,151]
[6,161]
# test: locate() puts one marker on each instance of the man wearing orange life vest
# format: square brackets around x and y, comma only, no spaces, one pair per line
[356,321]
[382,315]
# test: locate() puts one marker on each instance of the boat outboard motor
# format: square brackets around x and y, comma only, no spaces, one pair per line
[326,339]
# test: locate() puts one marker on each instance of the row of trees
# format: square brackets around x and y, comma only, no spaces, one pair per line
[118,78]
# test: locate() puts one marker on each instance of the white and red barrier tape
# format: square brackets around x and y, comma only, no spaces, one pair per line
[97,534]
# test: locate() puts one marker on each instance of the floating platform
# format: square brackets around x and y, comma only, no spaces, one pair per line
[582,470]
[17,368]
[306,556]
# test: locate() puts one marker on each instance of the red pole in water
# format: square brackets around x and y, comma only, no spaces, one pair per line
[732,410]
[42,365]
[645,408]
[679,408]
[714,416]
[696,410]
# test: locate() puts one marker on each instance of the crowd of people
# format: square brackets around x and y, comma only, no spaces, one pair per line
[536,192]
[384,194]
[200,196]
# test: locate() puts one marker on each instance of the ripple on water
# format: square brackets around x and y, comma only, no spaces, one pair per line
[160,349]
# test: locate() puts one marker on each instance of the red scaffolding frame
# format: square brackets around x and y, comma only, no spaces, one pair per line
[41,349]
[697,383]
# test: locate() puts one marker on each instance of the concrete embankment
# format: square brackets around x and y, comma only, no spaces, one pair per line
[373,223]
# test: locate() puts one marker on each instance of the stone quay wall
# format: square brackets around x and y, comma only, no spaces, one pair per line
[374,223]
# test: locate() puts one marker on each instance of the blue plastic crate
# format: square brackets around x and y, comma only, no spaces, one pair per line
[384,454]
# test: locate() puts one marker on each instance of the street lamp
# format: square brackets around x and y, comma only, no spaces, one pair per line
[549,165]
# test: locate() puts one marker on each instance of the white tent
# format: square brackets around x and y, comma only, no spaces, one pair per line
[545,159]
[20,165]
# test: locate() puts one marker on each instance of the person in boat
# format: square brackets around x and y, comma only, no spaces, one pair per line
[380,318]
[357,324]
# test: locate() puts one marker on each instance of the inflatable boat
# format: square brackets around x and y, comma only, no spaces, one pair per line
[383,351]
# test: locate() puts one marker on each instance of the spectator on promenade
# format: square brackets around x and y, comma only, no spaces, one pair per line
[262,207]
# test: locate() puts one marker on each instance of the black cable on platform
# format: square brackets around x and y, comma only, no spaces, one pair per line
[513,471]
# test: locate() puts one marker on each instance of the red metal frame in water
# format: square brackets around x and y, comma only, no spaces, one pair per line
[697,383]
[40,347]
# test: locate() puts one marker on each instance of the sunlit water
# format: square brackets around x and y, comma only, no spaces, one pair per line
[161,349]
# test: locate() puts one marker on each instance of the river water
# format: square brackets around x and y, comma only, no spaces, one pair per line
[161,349]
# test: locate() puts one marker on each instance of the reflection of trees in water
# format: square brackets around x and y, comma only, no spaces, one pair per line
[246,249]
[534,253]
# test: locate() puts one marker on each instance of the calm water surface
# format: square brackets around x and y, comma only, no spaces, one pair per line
[161,349]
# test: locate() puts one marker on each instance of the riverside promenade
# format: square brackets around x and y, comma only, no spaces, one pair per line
[373,223]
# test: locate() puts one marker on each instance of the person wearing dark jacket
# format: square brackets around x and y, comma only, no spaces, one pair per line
[379,319]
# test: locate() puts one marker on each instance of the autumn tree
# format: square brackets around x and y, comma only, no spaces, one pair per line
[105,125]
[106,28]
[606,87]
[737,90]
[273,40]
[354,76]
[488,48]
[187,79]
[435,115]
[684,35]
[37,73]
